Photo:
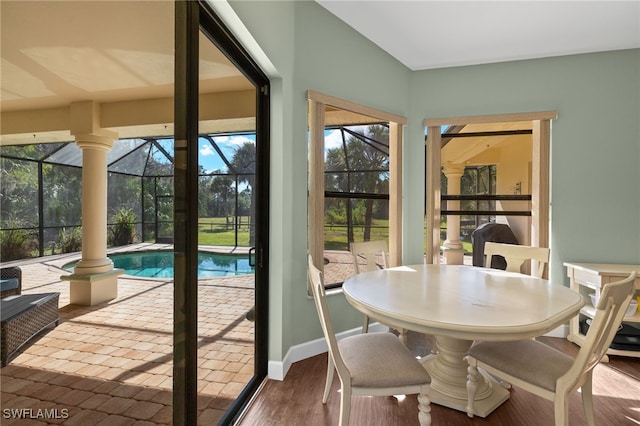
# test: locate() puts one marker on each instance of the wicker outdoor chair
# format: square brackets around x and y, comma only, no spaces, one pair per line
[23,316]
[11,281]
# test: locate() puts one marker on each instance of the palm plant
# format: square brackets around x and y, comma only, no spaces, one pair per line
[124,229]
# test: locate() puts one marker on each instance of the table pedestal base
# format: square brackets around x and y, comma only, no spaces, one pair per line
[448,370]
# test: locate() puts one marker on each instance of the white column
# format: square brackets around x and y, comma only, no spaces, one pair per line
[94,280]
[94,204]
[452,247]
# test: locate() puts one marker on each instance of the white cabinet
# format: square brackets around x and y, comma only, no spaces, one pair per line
[587,278]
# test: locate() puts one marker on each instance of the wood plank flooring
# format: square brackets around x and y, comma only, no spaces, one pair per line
[297,399]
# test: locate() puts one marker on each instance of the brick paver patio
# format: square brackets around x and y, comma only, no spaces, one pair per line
[111,364]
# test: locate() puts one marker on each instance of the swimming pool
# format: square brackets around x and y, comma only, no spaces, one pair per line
[159,264]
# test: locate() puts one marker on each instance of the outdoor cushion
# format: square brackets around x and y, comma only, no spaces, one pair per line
[9,284]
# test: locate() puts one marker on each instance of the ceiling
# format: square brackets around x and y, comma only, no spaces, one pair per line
[435,34]
[485,149]
[56,53]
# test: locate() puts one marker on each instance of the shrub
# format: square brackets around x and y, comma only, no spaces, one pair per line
[16,243]
[70,241]
[124,230]
[334,216]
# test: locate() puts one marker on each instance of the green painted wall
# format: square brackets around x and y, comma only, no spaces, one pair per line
[595,146]
[595,203]
[330,57]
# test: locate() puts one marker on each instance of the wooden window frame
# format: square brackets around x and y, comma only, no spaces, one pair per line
[541,146]
[318,103]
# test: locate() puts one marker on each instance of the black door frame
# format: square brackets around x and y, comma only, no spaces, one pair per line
[190,19]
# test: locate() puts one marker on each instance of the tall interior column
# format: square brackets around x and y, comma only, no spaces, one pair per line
[452,247]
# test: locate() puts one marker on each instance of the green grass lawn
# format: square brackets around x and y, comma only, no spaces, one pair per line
[335,236]
[217,231]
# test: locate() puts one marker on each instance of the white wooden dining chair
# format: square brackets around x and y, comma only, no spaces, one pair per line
[546,372]
[515,255]
[375,255]
[371,364]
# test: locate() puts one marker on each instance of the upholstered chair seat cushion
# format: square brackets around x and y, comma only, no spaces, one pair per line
[528,360]
[388,364]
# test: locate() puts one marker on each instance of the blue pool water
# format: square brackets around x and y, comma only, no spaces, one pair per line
[159,264]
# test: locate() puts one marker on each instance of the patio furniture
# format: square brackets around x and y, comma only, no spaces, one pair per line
[10,281]
[491,232]
[23,318]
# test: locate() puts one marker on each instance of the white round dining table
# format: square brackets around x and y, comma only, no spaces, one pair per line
[459,304]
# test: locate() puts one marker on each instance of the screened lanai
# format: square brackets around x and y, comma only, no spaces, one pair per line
[41,188]
[140,190]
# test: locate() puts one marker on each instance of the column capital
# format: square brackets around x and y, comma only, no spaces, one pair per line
[103,139]
[452,169]
[85,126]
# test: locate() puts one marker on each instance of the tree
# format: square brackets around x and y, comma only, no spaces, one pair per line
[62,203]
[243,164]
[19,191]
[220,193]
[22,170]
[361,165]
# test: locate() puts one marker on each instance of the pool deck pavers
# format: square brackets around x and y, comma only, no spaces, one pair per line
[112,364]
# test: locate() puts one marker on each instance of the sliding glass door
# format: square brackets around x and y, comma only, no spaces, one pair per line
[220,318]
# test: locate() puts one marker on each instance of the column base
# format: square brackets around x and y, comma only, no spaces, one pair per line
[92,289]
[92,267]
[453,256]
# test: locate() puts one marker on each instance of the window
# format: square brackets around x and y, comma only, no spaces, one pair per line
[356,192]
[476,180]
[354,182]
[539,127]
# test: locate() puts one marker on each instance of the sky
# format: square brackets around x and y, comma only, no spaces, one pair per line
[209,158]
[211,161]
[332,139]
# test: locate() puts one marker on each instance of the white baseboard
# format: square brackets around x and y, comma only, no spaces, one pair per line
[277,370]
